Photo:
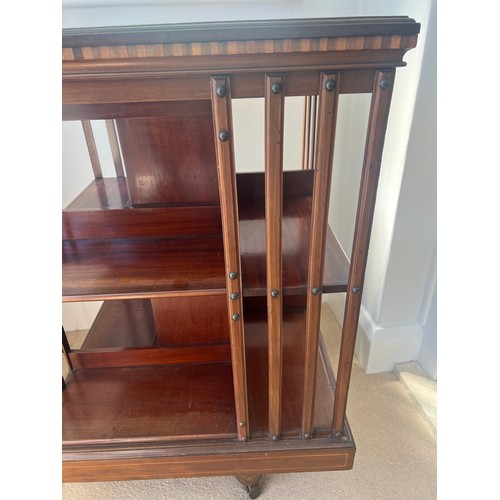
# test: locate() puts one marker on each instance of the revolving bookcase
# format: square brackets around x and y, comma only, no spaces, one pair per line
[206,356]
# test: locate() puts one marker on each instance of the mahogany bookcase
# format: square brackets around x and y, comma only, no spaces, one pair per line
[206,357]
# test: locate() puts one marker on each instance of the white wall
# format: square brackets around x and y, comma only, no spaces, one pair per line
[400,276]
[398,273]
[77,13]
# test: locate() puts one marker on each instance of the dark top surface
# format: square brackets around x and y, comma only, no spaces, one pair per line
[240,30]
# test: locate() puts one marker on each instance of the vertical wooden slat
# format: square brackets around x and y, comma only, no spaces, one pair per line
[305,132]
[312,133]
[115,148]
[377,124]
[66,349]
[309,131]
[223,130]
[328,99]
[274,115]
[94,157]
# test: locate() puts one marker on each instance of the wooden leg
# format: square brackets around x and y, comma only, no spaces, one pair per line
[251,484]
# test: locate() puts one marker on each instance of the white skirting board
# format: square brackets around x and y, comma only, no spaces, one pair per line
[379,348]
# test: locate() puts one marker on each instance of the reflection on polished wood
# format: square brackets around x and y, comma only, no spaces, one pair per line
[92,407]
[123,261]
[161,402]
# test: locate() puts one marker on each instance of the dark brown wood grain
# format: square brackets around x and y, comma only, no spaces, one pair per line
[105,405]
[98,269]
[144,222]
[113,192]
[191,320]
[170,160]
[274,129]
[257,366]
[220,455]
[243,86]
[150,356]
[296,233]
[93,268]
[150,332]
[323,166]
[293,373]
[145,109]
[157,86]
[296,227]
[208,459]
[220,88]
[251,185]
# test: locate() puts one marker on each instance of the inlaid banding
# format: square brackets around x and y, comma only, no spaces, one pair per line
[288,45]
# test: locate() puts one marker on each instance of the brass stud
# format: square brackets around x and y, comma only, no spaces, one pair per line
[275,437]
[224,135]
[235,317]
[233,275]
[356,290]
[221,91]
[316,290]
[234,296]
[307,436]
[275,293]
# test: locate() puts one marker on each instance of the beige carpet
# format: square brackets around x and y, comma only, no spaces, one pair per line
[395,459]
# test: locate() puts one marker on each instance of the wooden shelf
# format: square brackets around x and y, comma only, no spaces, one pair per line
[155,267]
[128,333]
[106,405]
[124,253]
[195,400]
[147,267]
